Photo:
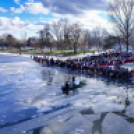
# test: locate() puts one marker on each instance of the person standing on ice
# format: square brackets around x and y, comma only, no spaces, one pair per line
[76,81]
[73,79]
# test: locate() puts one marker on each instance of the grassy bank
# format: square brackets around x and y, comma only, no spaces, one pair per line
[60,52]
[55,52]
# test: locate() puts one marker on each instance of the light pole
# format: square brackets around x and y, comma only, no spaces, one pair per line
[99,45]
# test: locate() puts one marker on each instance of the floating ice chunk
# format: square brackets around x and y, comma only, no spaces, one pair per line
[113,124]
[130,111]
[77,124]
[92,117]
[97,132]
[52,128]
[104,106]
[112,98]
[24,132]
[99,98]
[40,121]
[44,109]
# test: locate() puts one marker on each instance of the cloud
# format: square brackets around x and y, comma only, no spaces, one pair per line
[11,24]
[15,26]
[3,10]
[30,1]
[89,19]
[16,10]
[74,6]
[35,8]
[32,8]
[17,1]
[88,13]
[12,10]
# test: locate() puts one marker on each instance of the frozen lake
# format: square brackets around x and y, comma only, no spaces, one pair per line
[31,101]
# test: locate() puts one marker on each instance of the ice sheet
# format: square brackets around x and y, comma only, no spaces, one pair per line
[76,125]
[96,133]
[114,124]
[104,106]
[40,121]
[92,117]
[52,128]
[130,111]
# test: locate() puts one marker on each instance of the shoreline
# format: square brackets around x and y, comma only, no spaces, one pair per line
[63,58]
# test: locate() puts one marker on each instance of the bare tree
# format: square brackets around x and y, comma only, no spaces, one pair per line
[50,41]
[24,38]
[99,32]
[18,45]
[3,39]
[66,34]
[57,31]
[84,38]
[10,41]
[1,42]
[43,36]
[110,41]
[48,37]
[75,33]
[61,30]
[41,40]
[98,36]
[121,15]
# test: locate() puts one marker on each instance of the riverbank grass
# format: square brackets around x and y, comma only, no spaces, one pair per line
[54,52]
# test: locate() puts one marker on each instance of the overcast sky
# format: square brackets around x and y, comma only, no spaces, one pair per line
[18,16]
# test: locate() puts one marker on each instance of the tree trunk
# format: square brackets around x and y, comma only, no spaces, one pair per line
[127,45]
[50,49]
[75,48]
[120,45]
[99,46]
[88,46]
[42,50]
[20,50]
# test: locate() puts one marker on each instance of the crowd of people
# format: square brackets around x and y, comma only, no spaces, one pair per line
[105,64]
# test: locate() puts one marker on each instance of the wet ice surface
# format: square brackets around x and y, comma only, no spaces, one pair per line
[77,125]
[130,111]
[114,124]
[32,102]
[92,117]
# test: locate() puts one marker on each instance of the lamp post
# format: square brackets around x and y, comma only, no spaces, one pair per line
[99,45]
